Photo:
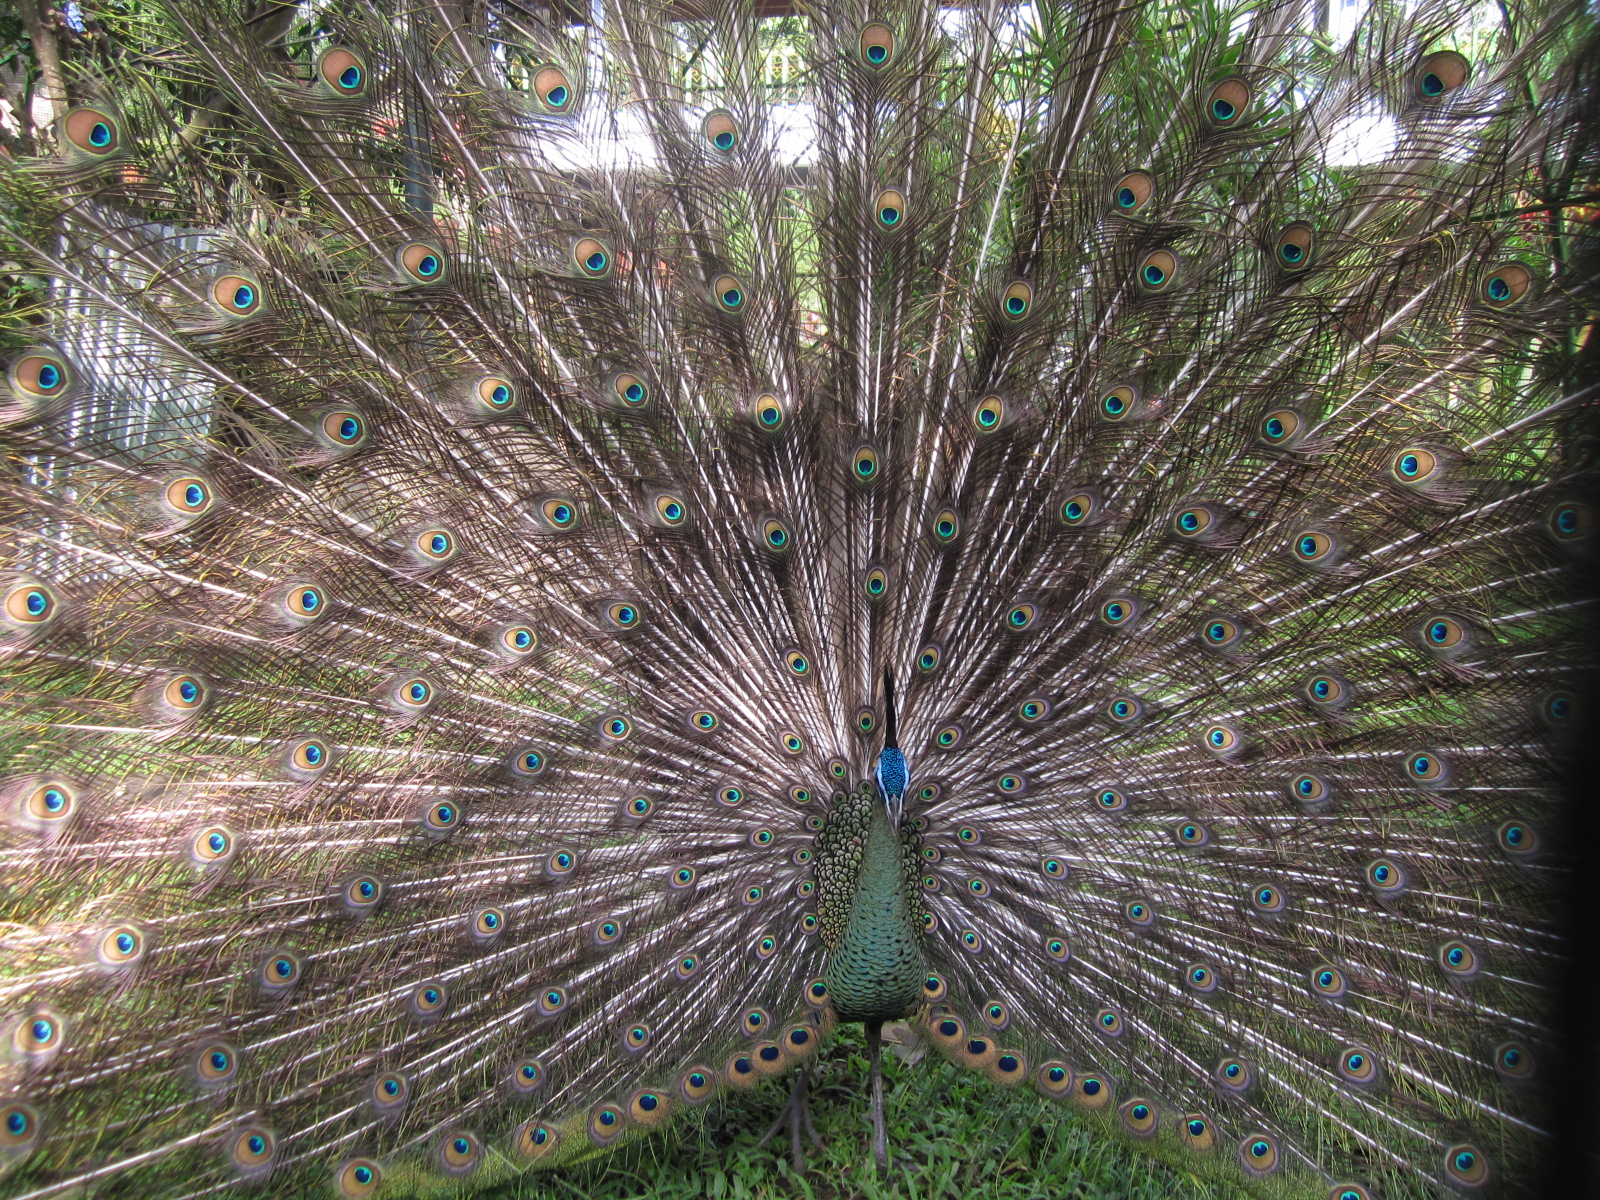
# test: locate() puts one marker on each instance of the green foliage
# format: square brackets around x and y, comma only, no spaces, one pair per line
[952,1134]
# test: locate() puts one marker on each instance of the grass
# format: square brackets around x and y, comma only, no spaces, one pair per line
[951,1134]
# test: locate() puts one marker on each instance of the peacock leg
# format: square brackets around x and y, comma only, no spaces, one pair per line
[880,1138]
[796,1115]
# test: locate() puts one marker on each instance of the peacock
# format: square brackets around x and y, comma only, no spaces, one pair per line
[558,554]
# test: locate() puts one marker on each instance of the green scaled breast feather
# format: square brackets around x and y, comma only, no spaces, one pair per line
[562,562]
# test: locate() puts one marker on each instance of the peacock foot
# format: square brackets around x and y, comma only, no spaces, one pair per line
[795,1115]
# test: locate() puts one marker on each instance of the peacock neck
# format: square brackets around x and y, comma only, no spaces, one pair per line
[875,970]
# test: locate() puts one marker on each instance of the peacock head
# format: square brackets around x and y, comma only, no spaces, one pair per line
[892,773]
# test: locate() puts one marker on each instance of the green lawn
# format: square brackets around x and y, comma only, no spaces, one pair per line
[951,1132]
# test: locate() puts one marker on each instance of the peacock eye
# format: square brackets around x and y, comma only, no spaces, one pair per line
[92,131]
[1443,633]
[1077,508]
[1124,710]
[1314,546]
[876,583]
[890,209]
[1119,611]
[630,390]
[558,514]
[528,762]
[1016,298]
[1426,767]
[434,545]
[40,375]
[670,510]
[309,756]
[876,44]
[1132,192]
[342,72]
[1505,284]
[1414,464]
[928,658]
[864,465]
[1227,102]
[946,526]
[519,640]
[121,947]
[344,429]
[720,130]
[1294,247]
[769,412]
[775,535]
[1110,800]
[989,414]
[1192,522]
[1022,616]
[252,1149]
[305,602]
[1466,1165]
[622,615]
[592,258]
[421,262]
[1118,402]
[550,85]
[729,293]
[1157,270]
[236,295]
[496,394]
[1439,74]
[1280,427]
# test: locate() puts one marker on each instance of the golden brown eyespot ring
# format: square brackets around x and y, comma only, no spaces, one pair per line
[1117,402]
[496,393]
[121,947]
[768,411]
[1226,105]
[728,293]
[876,43]
[1157,270]
[236,295]
[252,1150]
[1132,192]
[864,464]
[358,1177]
[1441,73]
[721,130]
[1294,247]
[946,526]
[344,428]
[459,1152]
[1466,1165]
[592,257]
[188,495]
[40,375]
[92,131]
[1016,298]
[1414,464]
[342,72]
[211,845]
[421,261]
[551,87]
[989,414]
[890,209]
[631,391]
[1504,284]
[1280,427]
[185,693]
